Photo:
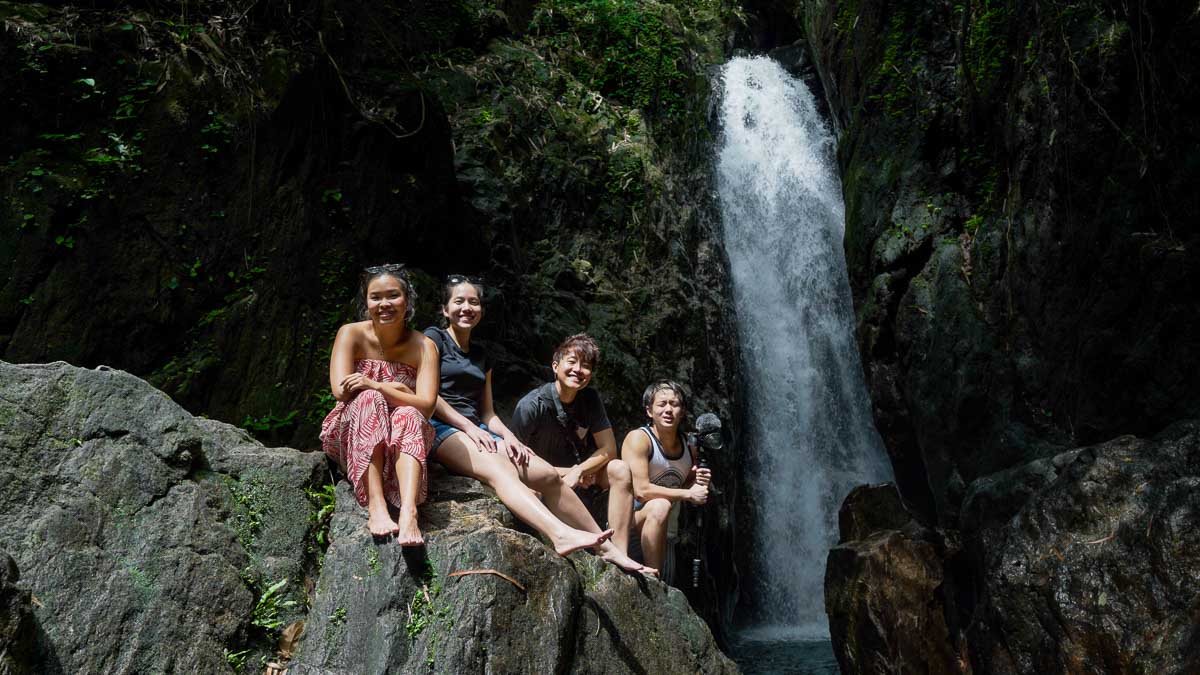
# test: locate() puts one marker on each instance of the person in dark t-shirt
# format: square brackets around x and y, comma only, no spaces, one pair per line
[564,422]
[470,439]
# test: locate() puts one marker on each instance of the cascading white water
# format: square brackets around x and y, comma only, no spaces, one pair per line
[809,434]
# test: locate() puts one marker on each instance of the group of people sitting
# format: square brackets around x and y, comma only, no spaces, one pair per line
[406,397]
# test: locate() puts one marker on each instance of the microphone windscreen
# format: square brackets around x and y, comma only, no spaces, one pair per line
[708,423]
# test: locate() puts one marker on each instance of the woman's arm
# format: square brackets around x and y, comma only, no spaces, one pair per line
[518,452]
[341,362]
[425,395]
[636,452]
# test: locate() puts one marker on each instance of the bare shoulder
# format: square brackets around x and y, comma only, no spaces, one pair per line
[352,334]
[636,441]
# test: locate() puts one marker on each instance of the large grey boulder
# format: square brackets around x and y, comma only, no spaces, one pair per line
[144,534]
[381,609]
[143,540]
[1099,570]
[520,608]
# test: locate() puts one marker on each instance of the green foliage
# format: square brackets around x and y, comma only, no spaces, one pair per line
[252,504]
[217,134]
[897,79]
[237,660]
[324,499]
[972,224]
[338,617]
[635,56]
[984,45]
[424,610]
[270,605]
[270,423]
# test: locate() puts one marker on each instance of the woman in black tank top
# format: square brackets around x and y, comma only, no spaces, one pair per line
[473,441]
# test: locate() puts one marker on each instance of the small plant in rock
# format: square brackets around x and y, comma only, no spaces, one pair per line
[325,499]
[237,660]
[271,604]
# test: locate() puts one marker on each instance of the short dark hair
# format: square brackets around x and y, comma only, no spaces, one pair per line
[583,346]
[396,271]
[662,385]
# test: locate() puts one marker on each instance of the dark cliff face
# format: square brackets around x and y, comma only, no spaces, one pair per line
[190,195]
[1023,250]
[1020,234]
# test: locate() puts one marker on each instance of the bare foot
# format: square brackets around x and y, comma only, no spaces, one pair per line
[609,553]
[574,540]
[409,533]
[380,523]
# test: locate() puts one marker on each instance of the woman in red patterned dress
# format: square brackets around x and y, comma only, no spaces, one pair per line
[385,378]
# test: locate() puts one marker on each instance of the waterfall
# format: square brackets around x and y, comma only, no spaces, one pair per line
[809,436]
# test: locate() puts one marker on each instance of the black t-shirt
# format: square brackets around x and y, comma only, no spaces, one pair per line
[464,374]
[559,433]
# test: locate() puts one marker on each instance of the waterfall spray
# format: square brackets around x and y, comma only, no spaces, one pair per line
[809,435]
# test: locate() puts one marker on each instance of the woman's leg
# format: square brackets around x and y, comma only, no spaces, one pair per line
[408,475]
[651,522]
[379,521]
[564,503]
[410,438]
[496,471]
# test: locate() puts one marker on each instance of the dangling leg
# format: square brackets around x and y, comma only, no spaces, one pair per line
[408,475]
[495,470]
[379,521]
[565,504]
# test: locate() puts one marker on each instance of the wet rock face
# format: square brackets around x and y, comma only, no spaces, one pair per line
[884,590]
[1098,571]
[142,533]
[1018,233]
[378,608]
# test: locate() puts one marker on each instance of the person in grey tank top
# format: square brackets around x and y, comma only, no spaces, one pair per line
[663,466]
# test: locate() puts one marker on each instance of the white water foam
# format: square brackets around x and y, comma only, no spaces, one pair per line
[810,437]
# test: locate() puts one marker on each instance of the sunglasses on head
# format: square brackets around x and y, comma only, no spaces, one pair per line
[390,268]
[456,279]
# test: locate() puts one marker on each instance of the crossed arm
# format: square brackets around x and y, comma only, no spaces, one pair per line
[344,382]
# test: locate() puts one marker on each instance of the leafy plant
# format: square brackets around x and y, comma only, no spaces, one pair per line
[271,603]
[270,422]
[237,660]
[325,499]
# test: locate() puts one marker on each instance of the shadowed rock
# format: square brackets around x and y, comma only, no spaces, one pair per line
[1098,571]
[884,590]
[140,530]
[380,608]
[146,538]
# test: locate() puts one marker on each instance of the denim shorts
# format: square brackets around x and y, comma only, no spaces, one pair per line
[442,431]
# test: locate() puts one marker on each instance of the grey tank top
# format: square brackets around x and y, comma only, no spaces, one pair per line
[664,471]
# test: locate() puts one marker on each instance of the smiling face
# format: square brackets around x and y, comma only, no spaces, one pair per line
[666,409]
[387,303]
[464,308]
[572,372]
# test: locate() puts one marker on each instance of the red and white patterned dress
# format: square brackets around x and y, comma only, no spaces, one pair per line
[354,428]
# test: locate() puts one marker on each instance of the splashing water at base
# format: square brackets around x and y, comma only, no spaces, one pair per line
[809,433]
